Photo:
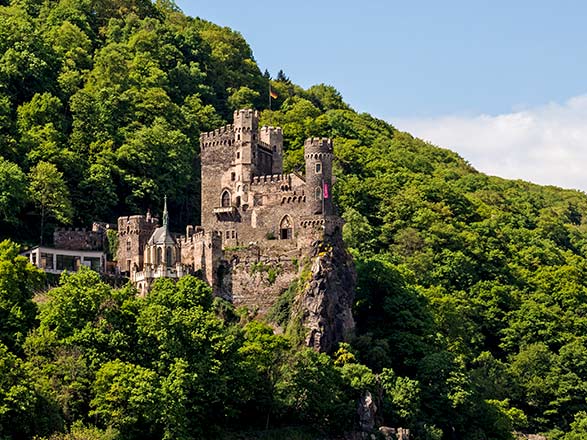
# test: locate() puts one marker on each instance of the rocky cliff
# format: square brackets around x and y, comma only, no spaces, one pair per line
[324,304]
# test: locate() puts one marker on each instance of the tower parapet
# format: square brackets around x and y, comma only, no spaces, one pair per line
[221,136]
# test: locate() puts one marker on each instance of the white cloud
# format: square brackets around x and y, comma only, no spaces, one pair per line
[546,145]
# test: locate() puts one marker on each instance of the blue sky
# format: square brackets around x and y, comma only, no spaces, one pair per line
[506,74]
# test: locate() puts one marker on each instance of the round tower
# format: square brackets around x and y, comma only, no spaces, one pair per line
[318,156]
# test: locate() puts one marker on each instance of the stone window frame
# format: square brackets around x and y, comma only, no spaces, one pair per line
[318,193]
[318,168]
[225,198]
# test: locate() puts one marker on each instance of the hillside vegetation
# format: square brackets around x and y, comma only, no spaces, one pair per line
[471,307]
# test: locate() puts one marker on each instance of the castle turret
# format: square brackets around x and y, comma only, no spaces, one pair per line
[273,138]
[246,123]
[318,155]
[133,233]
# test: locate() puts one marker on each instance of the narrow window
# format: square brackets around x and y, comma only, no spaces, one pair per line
[318,193]
[227,235]
[168,256]
[159,256]
[275,148]
[318,168]
[232,176]
[225,199]
[238,154]
[128,244]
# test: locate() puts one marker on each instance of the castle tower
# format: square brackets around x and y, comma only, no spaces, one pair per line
[246,124]
[272,137]
[133,233]
[318,154]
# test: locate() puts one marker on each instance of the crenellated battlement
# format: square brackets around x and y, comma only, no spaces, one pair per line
[270,129]
[63,229]
[318,145]
[258,180]
[220,136]
[136,221]
[246,113]
[217,132]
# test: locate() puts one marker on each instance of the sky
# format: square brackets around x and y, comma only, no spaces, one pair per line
[503,83]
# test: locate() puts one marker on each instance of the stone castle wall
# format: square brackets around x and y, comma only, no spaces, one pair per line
[80,239]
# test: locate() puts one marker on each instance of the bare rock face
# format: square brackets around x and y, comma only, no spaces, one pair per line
[366,411]
[325,304]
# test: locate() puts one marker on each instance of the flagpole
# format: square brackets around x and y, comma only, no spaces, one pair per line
[269,94]
[322,190]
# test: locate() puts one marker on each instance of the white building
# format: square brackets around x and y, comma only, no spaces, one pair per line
[55,261]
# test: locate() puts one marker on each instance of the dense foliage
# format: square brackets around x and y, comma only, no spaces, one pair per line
[471,307]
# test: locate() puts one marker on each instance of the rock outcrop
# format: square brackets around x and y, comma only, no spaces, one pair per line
[325,303]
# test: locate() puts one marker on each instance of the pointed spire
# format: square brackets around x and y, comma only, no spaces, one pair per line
[165,213]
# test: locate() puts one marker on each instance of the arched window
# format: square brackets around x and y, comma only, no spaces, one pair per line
[128,244]
[225,199]
[285,228]
[159,256]
[168,256]
[318,193]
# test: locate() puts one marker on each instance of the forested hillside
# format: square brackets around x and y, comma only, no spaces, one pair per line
[471,308]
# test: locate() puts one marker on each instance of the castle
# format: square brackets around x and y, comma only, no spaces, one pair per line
[258,225]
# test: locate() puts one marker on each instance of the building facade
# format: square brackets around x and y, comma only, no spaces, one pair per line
[56,260]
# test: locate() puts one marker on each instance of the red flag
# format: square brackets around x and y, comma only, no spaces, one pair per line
[325,190]
[272,94]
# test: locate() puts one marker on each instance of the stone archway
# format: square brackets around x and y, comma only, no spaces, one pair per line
[286,228]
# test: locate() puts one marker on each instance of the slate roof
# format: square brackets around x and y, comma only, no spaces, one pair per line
[162,235]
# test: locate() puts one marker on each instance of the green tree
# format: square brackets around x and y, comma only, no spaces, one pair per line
[311,388]
[18,281]
[49,193]
[17,397]
[13,194]
[127,398]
